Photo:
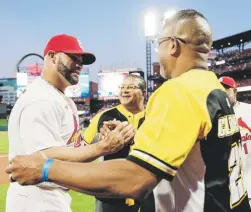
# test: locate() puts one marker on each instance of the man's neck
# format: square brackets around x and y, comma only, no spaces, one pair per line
[190,65]
[134,110]
[54,80]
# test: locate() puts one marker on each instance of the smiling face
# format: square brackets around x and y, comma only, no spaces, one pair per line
[131,95]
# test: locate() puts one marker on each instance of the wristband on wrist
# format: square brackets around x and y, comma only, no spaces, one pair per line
[45,171]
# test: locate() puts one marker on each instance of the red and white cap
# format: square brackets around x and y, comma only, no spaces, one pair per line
[228,81]
[69,44]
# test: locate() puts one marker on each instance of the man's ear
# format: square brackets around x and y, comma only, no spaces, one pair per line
[174,47]
[144,93]
[51,55]
[235,91]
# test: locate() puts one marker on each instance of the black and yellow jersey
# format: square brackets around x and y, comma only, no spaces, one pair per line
[119,113]
[191,137]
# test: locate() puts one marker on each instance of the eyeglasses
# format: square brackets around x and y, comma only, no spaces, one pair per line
[128,87]
[160,40]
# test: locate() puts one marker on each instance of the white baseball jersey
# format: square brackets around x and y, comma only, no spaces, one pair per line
[42,118]
[243,113]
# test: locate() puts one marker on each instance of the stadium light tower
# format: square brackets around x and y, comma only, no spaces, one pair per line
[150,32]
[151,23]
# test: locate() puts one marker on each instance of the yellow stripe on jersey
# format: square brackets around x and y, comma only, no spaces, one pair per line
[176,117]
[91,131]
[154,162]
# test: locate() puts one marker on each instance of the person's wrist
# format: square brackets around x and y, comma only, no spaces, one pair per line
[55,170]
[101,148]
[46,169]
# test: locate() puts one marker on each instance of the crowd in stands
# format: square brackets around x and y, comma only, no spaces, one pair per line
[236,64]
[232,61]
[83,107]
[235,55]
[244,82]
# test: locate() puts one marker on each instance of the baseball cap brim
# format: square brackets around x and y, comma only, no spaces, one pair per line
[88,58]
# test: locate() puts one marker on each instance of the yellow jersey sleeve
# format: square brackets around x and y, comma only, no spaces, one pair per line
[172,126]
[91,131]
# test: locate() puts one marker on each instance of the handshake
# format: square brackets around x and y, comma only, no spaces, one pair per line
[114,135]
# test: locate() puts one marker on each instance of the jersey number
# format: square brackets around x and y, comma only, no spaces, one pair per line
[236,184]
[245,147]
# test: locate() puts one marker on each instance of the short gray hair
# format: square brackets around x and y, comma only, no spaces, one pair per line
[142,82]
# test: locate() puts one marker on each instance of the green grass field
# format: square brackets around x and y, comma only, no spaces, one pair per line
[3,143]
[80,202]
[3,122]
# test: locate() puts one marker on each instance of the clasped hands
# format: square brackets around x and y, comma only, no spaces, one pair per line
[115,135]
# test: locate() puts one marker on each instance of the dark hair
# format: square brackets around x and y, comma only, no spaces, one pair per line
[1,98]
[142,82]
[226,86]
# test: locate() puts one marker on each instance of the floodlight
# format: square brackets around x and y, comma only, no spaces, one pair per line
[150,25]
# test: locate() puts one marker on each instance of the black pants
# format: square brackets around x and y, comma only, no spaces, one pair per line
[148,205]
[108,207]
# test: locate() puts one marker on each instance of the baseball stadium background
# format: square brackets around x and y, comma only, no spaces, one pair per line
[230,56]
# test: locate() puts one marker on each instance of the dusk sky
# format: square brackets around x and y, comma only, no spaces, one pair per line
[113,29]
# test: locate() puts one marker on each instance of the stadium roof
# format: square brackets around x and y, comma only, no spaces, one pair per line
[233,40]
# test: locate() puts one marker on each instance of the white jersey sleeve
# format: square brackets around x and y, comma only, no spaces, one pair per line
[40,127]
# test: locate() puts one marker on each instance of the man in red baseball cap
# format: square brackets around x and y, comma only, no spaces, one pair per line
[69,45]
[44,119]
[231,88]
[64,59]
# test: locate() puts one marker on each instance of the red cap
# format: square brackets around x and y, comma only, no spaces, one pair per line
[69,44]
[228,81]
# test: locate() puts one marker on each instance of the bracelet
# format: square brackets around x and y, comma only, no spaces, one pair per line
[46,167]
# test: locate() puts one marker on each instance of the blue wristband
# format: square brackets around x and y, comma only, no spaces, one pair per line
[45,171]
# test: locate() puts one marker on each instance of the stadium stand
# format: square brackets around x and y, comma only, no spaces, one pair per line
[233,58]
[232,61]
[244,82]
[231,54]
